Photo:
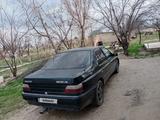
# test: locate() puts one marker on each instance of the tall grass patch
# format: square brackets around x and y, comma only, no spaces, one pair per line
[134,49]
[10,97]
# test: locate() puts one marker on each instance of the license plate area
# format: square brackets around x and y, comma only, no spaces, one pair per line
[48,100]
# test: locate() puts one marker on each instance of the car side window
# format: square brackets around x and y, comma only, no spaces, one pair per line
[99,55]
[106,52]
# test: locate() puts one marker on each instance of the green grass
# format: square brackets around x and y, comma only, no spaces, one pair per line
[10,97]
[7,74]
[33,57]
[10,94]
[147,38]
[134,49]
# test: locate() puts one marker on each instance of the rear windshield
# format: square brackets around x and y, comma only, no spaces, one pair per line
[67,60]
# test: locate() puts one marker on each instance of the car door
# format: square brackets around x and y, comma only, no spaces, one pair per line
[111,63]
[102,62]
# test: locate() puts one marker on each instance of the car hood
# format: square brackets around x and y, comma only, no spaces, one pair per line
[52,75]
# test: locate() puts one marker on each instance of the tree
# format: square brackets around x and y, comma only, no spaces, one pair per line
[61,26]
[12,32]
[79,11]
[139,25]
[155,16]
[49,24]
[120,17]
[27,44]
[37,43]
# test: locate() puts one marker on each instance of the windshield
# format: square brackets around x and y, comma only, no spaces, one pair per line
[66,60]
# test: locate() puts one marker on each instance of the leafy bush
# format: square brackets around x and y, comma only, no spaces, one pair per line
[134,49]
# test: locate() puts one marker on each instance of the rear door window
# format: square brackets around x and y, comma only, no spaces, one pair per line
[106,52]
[100,57]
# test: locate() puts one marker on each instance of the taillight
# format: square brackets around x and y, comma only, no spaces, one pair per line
[74,89]
[26,88]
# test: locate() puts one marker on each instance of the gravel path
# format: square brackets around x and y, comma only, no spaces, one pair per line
[133,94]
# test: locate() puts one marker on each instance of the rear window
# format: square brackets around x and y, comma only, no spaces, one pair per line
[68,60]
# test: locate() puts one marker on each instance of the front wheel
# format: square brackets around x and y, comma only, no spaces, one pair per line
[99,94]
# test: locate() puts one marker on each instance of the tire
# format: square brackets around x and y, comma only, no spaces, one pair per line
[99,94]
[117,68]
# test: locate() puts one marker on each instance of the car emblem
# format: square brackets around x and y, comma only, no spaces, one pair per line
[28,81]
[45,93]
[62,82]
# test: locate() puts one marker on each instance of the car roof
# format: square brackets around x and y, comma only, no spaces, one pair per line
[83,48]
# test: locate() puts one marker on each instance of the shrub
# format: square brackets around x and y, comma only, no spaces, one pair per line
[134,49]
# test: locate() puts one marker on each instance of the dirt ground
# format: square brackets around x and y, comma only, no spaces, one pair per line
[133,94]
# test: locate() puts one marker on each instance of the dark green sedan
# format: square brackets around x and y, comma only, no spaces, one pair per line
[72,79]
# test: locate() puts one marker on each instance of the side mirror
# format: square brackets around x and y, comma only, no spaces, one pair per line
[115,54]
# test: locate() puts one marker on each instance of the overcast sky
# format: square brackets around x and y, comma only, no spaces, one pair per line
[13,5]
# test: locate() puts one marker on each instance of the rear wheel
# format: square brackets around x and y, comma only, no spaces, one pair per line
[117,68]
[99,94]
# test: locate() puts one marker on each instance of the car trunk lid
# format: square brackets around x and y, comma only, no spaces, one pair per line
[51,81]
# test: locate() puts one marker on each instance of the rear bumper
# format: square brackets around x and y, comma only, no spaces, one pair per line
[65,102]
